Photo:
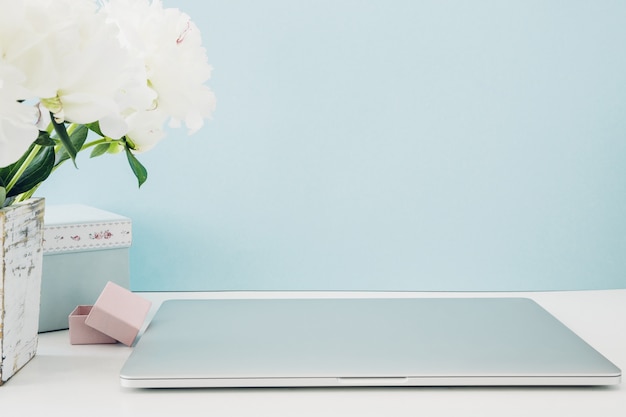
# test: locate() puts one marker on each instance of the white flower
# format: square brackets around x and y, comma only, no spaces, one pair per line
[130,65]
[17,120]
[146,129]
[72,59]
[176,66]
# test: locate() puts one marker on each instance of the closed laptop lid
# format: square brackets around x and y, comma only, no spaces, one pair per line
[353,342]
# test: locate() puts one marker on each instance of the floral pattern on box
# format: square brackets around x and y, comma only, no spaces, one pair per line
[88,236]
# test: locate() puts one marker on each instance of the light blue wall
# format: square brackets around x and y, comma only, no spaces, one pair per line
[387,145]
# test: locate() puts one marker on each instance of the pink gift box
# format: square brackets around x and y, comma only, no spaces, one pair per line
[80,333]
[118,313]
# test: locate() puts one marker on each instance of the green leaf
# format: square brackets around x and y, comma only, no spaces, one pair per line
[139,170]
[95,127]
[65,139]
[7,173]
[77,140]
[37,171]
[3,196]
[44,139]
[100,150]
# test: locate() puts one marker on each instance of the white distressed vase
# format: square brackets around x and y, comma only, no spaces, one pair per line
[21,256]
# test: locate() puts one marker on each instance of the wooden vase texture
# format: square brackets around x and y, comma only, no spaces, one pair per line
[21,257]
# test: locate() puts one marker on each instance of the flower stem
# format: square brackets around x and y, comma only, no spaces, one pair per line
[96,142]
[31,156]
[27,194]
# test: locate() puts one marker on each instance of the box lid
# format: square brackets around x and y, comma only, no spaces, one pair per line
[77,228]
[118,313]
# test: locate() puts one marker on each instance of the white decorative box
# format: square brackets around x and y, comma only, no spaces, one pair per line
[84,248]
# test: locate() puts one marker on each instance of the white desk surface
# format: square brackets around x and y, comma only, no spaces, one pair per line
[82,380]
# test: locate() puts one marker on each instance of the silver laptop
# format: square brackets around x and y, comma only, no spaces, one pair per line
[361,342]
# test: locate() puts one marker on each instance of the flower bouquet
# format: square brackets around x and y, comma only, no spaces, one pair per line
[106,76]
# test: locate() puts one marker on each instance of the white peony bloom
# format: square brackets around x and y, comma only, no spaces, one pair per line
[17,120]
[175,62]
[131,65]
[146,129]
[72,59]
[135,95]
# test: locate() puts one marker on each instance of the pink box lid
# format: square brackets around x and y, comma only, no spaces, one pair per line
[118,313]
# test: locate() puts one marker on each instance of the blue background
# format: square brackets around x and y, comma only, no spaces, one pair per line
[387,145]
